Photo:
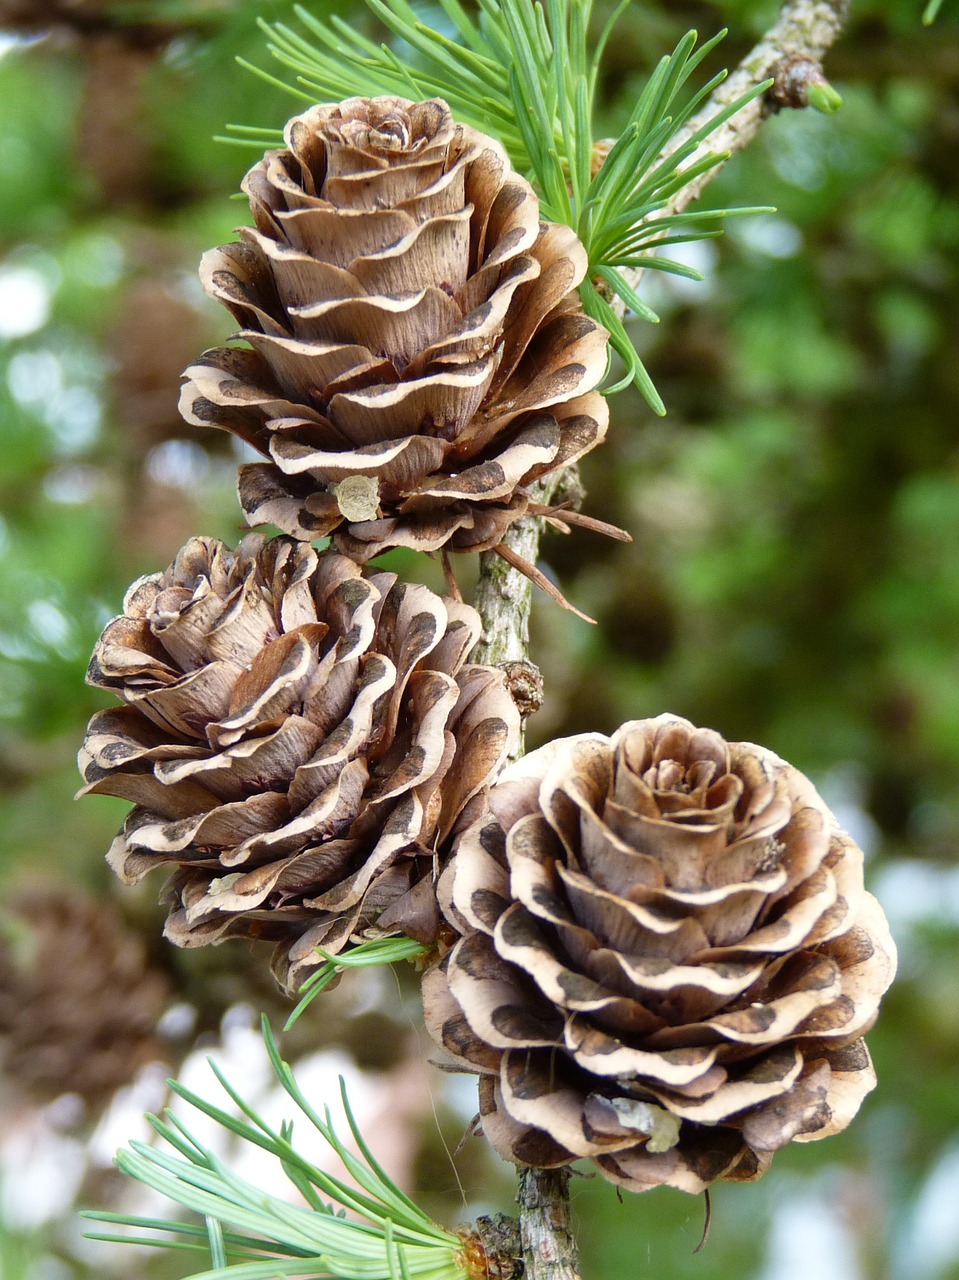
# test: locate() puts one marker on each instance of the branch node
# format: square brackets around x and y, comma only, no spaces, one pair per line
[492,1248]
[799,82]
[525,684]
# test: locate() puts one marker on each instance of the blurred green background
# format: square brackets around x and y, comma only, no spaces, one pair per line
[794,578]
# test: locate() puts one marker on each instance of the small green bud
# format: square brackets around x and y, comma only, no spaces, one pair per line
[823,97]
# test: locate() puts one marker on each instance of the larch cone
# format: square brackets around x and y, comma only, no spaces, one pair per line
[298,741]
[416,353]
[668,959]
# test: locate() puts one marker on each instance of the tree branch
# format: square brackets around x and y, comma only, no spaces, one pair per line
[545,1227]
[503,595]
[803,33]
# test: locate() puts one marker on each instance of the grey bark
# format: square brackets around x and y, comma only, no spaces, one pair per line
[545,1226]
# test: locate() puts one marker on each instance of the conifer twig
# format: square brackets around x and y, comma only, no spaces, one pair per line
[805,30]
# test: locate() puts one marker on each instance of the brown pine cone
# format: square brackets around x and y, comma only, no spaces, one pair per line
[418,357]
[44,15]
[289,743]
[155,331]
[90,18]
[79,1002]
[669,961]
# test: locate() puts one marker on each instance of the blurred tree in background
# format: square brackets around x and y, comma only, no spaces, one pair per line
[794,578]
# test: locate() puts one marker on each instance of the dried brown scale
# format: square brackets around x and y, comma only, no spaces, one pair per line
[669,958]
[411,321]
[289,742]
[79,1001]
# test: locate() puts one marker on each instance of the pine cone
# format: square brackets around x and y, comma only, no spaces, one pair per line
[288,743]
[154,332]
[79,1003]
[669,961]
[417,355]
[113,141]
[86,18]
[30,16]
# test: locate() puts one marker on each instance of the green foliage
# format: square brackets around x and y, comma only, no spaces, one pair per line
[254,1235]
[370,954]
[526,75]
[824,98]
[18,1256]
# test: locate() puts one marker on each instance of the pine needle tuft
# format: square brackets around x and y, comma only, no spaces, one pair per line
[526,74]
[252,1234]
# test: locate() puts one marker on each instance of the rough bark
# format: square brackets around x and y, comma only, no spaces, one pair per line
[545,1227]
[503,594]
[805,29]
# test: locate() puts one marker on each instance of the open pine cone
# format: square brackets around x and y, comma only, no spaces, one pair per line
[418,357]
[288,743]
[669,961]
